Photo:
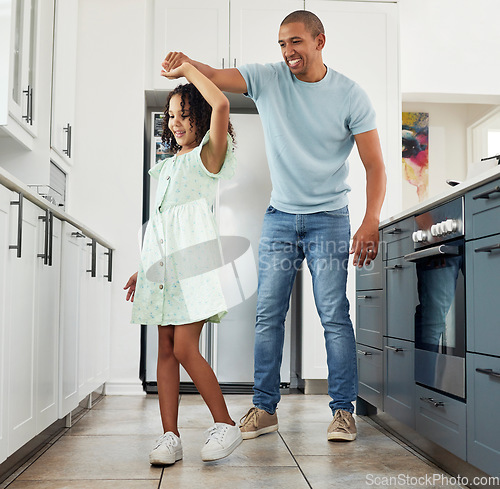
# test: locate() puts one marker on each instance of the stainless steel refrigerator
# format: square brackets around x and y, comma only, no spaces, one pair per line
[239,210]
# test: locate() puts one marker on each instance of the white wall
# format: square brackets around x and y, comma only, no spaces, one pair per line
[450,47]
[106,183]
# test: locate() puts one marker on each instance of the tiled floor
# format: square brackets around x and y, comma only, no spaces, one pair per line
[108,448]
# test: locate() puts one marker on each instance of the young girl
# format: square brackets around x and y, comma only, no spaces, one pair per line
[177,286]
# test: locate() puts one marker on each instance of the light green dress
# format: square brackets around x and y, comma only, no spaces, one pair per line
[178,281]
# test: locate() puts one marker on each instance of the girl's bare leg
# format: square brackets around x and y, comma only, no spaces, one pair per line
[167,374]
[186,350]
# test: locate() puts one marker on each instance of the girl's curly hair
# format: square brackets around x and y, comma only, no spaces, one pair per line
[200,112]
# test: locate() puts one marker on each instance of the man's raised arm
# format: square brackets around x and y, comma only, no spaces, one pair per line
[228,80]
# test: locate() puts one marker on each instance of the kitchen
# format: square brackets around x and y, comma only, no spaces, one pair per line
[112,74]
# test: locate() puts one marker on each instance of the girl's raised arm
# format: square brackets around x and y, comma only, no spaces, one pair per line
[214,152]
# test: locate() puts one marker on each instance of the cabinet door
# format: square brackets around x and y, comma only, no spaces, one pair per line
[370,318]
[372,276]
[371,375]
[71,265]
[483,307]
[254,30]
[197,28]
[402,298]
[483,429]
[21,326]
[23,70]
[64,77]
[47,324]
[482,207]
[5,198]
[399,381]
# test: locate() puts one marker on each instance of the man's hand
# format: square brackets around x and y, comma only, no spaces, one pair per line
[132,281]
[173,60]
[365,243]
[175,73]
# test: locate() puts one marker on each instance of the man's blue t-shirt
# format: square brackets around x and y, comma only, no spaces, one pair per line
[309,130]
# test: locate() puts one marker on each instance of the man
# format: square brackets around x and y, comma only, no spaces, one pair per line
[311,117]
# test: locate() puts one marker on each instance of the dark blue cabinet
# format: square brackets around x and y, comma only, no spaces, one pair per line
[371,375]
[483,427]
[399,397]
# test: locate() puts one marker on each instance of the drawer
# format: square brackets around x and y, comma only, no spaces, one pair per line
[442,420]
[399,394]
[370,318]
[483,306]
[402,298]
[483,428]
[371,276]
[482,211]
[371,375]
[397,239]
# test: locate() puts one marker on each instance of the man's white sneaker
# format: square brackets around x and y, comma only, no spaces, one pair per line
[167,451]
[222,439]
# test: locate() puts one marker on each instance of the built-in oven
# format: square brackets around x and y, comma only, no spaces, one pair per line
[440,313]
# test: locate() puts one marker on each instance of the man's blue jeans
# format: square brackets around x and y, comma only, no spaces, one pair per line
[323,239]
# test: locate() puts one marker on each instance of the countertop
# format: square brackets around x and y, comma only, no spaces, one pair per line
[11,182]
[481,179]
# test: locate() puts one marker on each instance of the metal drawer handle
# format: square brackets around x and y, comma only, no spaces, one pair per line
[395,348]
[488,371]
[366,353]
[45,254]
[394,267]
[432,401]
[93,266]
[78,234]
[394,231]
[487,193]
[110,265]
[488,249]
[364,297]
[18,246]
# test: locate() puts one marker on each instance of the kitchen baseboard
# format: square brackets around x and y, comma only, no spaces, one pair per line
[124,388]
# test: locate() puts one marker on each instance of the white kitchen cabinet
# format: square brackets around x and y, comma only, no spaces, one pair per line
[23,95]
[47,322]
[64,79]
[5,198]
[229,32]
[197,28]
[20,320]
[254,30]
[361,43]
[71,266]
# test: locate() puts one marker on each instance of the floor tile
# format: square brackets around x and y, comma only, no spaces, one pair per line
[85,484]
[95,457]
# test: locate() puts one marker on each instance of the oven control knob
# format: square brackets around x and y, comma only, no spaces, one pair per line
[450,225]
[441,228]
[419,236]
[434,230]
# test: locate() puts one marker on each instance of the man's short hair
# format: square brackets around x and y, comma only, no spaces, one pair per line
[310,21]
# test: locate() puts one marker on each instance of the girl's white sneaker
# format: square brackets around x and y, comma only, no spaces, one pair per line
[167,451]
[222,439]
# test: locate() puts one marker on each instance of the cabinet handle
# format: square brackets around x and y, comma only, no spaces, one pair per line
[45,254]
[234,63]
[394,267]
[19,225]
[394,231]
[487,249]
[364,297]
[77,234]
[487,193]
[31,106]
[222,63]
[27,93]
[488,371]
[366,353]
[51,237]
[110,265]
[395,348]
[432,401]
[93,266]
[67,130]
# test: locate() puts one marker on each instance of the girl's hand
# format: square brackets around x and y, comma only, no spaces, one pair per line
[174,73]
[132,281]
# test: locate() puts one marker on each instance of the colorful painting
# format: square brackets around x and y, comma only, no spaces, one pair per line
[415,135]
